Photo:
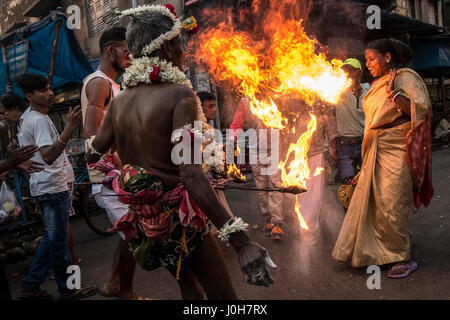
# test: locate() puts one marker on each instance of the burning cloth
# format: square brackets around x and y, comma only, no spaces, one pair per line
[375,229]
[163,226]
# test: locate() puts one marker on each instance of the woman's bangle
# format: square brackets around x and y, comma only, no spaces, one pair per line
[59,139]
[395,96]
[392,93]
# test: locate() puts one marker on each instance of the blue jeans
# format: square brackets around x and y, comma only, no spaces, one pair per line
[52,252]
[349,156]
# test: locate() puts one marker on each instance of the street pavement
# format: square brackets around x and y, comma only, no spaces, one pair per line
[305,267]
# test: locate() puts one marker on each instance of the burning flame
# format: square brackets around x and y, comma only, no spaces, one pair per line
[273,60]
[298,167]
[318,171]
[234,172]
[299,215]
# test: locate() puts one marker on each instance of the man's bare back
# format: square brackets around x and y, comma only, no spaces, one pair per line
[143,122]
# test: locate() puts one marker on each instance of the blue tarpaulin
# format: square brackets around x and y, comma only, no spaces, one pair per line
[71,65]
[432,54]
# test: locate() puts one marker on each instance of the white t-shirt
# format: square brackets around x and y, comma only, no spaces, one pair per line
[69,170]
[38,129]
[349,115]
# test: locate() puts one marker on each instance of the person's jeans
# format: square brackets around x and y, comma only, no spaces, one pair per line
[5,293]
[52,252]
[444,137]
[349,156]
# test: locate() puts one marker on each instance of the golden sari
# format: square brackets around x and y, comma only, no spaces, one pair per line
[375,229]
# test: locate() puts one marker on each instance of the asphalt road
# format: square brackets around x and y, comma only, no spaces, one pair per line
[305,268]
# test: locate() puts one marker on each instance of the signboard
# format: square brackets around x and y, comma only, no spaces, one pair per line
[17,59]
[203,84]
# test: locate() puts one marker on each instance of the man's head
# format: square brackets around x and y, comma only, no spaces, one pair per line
[353,69]
[114,49]
[12,107]
[208,105]
[146,27]
[36,89]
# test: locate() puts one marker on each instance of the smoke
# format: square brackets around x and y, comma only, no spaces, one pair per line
[340,25]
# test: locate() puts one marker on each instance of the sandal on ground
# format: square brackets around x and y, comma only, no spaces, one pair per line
[109,290]
[408,268]
[80,293]
[37,294]
[142,298]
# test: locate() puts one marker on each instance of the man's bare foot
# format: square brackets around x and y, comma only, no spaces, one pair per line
[110,290]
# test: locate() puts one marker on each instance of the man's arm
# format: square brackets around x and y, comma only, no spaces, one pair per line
[51,152]
[97,92]
[192,175]
[104,139]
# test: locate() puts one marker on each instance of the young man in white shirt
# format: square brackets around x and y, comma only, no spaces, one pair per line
[49,189]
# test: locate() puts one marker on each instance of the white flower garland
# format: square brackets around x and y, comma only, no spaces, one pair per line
[157,43]
[227,229]
[140,69]
[139,72]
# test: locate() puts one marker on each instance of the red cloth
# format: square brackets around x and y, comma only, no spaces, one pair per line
[105,164]
[418,153]
[149,207]
[239,117]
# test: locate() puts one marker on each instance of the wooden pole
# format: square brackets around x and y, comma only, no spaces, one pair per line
[443,93]
[54,50]
[291,190]
[8,74]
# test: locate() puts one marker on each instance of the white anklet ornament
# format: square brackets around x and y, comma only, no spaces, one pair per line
[227,229]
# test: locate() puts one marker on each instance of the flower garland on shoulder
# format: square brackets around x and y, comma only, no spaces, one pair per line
[153,70]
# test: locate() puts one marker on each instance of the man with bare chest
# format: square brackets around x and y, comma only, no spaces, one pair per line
[172,207]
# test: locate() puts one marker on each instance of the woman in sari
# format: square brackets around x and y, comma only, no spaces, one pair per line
[375,229]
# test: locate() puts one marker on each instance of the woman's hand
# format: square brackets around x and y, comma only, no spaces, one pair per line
[390,83]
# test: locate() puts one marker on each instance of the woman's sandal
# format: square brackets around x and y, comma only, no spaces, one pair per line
[409,267]
[37,294]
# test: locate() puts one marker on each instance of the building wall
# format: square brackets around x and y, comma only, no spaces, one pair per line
[11,12]
[89,43]
[429,11]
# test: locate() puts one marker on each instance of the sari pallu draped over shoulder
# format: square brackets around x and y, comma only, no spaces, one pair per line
[375,229]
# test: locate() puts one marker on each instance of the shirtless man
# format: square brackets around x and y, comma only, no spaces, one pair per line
[140,122]
[98,90]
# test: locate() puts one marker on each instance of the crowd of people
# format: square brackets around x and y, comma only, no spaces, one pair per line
[164,212]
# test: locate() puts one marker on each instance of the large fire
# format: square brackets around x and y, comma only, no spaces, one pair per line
[273,59]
